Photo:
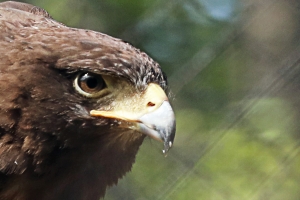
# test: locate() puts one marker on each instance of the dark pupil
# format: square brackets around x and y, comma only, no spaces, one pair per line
[91,82]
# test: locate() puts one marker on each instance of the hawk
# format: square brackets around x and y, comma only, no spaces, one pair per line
[75,106]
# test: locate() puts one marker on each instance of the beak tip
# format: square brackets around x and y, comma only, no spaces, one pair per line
[168,141]
[160,125]
[168,146]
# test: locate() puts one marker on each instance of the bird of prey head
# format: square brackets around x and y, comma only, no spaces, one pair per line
[75,105]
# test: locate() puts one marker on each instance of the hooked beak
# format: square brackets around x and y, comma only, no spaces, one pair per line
[153,115]
[160,125]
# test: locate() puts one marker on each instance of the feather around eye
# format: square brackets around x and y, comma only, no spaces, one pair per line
[89,84]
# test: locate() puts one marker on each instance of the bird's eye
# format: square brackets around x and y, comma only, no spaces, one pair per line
[89,84]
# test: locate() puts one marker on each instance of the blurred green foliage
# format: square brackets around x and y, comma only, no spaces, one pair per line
[233,70]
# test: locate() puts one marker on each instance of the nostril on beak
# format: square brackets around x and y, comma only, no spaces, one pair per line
[150,104]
